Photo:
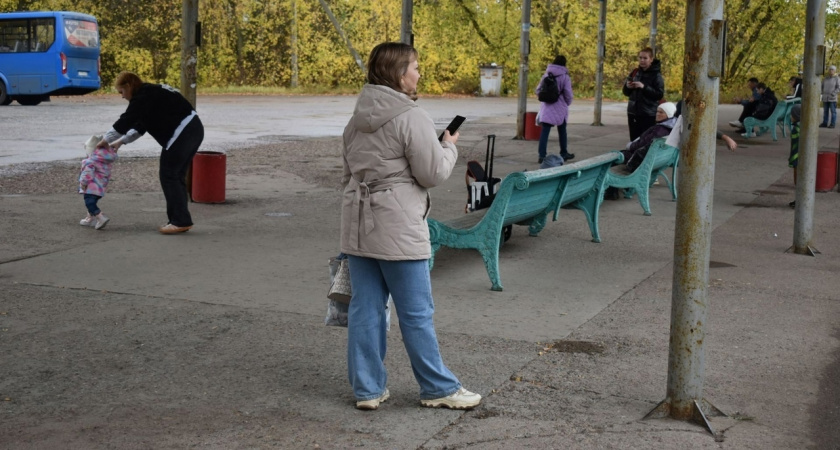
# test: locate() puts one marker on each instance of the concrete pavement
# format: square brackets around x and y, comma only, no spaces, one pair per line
[125,338]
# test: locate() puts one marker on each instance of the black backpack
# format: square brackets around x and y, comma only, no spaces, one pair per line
[549,93]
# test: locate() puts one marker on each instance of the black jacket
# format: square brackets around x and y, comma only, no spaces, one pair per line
[643,102]
[765,104]
[156,109]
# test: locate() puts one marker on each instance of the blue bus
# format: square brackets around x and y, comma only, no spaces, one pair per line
[47,53]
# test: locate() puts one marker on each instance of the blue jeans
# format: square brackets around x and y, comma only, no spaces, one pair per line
[410,286]
[829,108]
[546,130]
[90,203]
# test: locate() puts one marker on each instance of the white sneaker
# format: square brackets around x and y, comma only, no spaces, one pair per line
[101,221]
[88,221]
[736,124]
[374,402]
[462,399]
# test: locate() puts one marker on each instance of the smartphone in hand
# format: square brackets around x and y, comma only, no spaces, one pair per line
[453,126]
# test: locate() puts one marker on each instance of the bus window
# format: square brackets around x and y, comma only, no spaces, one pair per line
[43,31]
[81,33]
[13,35]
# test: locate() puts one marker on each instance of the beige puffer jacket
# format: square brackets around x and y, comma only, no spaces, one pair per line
[392,156]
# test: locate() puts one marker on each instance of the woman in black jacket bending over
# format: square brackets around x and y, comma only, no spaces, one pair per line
[164,113]
[645,87]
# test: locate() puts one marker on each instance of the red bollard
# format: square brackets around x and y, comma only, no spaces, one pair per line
[826,171]
[532,130]
[208,177]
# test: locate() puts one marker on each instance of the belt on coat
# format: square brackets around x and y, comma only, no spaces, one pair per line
[363,191]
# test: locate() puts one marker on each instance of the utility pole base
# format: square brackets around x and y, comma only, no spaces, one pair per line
[810,251]
[699,414]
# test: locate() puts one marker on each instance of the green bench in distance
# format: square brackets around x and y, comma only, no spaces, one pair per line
[778,115]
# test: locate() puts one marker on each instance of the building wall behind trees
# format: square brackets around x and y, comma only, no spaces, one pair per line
[250,42]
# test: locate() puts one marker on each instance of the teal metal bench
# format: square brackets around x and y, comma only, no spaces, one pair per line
[526,198]
[785,121]
[659,158]
[770,123]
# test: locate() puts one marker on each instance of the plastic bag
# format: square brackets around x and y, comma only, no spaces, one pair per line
[337,311]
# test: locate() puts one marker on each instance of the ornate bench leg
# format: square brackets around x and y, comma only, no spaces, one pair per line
[644,199]
[491,262]
[435,248]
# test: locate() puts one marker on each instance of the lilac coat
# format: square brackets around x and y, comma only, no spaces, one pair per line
[96,171]
[556,113]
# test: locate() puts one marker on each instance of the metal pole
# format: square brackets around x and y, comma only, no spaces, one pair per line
[806,170]
[654,9]
[599,72]
[693,233]
[189,52]
[406,36]
[295,69]
[524,50]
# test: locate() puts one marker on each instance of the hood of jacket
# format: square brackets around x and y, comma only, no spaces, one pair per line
[556,70]
[668,123]
[377,105]
[655,66]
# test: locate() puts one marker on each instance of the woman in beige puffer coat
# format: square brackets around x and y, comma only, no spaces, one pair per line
[392,156]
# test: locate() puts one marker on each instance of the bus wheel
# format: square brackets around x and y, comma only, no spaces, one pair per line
[5,99]
[28,100]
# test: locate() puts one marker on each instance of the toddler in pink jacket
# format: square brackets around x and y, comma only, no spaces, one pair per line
[93,180]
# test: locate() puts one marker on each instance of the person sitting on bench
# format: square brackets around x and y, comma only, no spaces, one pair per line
[748,103]
[764,106]
[634,152]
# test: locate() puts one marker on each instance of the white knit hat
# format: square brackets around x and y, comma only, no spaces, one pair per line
[669,109]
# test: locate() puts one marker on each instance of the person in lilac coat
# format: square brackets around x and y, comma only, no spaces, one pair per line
[556,114]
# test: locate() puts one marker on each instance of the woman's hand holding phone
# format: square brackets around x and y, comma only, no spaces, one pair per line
[453,138]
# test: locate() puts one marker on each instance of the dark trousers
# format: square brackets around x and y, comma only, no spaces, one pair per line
[749,109]
[639,124]
[546,131]
[174,164]
[90,204]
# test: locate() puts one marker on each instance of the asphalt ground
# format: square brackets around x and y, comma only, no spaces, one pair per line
[125,338]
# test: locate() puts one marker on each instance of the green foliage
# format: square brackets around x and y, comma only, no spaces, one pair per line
[265,44]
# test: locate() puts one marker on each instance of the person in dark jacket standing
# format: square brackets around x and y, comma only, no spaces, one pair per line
[164,113]
[555,114]
[645,87]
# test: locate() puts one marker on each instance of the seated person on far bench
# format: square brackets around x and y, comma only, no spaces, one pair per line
[764,106]
[748,103]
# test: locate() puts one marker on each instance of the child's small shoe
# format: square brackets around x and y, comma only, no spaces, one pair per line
[101,221]
[88,221]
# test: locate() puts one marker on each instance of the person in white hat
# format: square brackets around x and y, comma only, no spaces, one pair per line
[634,152]
[830,89]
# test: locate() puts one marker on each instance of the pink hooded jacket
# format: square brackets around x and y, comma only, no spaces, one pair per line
[96,171]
